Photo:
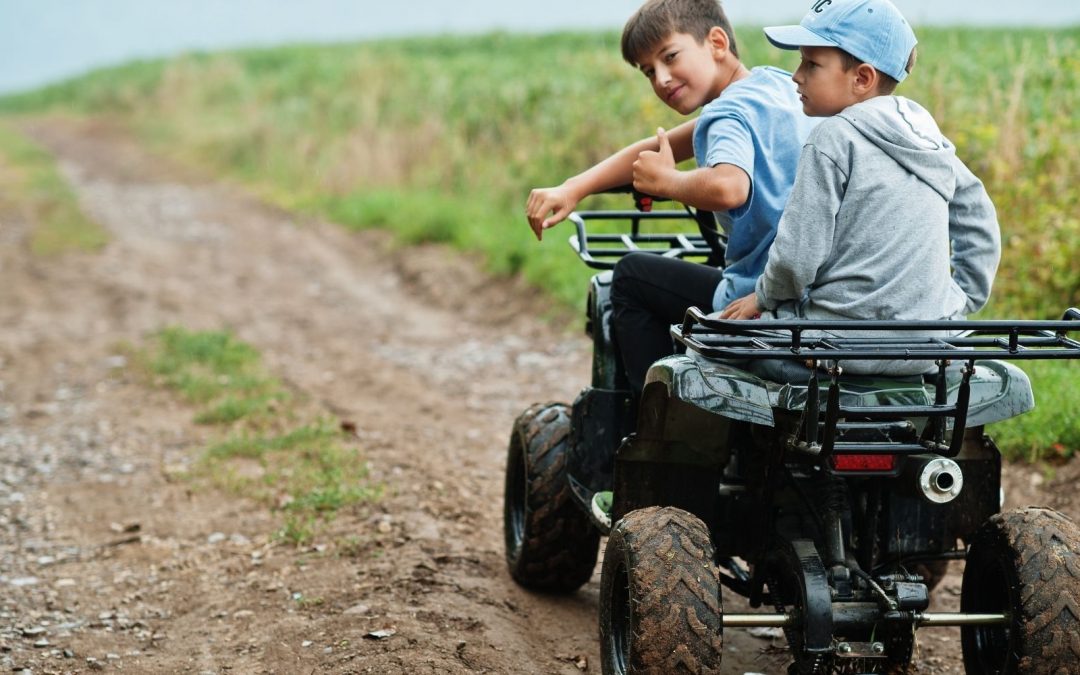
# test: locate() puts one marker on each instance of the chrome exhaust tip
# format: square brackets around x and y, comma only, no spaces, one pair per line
[940,480]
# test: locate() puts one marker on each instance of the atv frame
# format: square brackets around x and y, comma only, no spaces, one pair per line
[831,501]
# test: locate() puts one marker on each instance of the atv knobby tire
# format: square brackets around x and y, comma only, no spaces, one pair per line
[551,544]
[1025,562]
[660,605]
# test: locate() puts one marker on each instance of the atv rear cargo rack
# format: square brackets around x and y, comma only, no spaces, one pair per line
[802,341]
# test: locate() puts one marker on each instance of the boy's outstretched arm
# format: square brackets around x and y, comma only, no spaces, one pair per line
[547,207]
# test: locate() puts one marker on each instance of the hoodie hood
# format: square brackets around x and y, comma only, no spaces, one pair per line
[905,131]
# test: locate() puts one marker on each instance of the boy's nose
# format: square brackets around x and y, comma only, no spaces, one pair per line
[663,75]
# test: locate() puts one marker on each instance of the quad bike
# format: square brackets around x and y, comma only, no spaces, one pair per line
[831,501]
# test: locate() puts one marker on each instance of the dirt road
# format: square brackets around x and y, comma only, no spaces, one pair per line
[108,562]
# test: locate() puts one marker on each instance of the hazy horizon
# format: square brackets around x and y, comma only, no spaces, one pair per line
[43,41]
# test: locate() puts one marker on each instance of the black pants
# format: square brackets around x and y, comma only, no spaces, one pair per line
[649,293]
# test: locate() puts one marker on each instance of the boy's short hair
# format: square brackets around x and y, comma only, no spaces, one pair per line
[886,83]
[658,19]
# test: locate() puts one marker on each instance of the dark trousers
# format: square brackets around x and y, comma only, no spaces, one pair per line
[649,293]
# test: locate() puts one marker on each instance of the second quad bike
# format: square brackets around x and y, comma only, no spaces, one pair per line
[754,464]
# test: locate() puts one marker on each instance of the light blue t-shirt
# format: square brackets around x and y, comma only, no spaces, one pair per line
[758,125]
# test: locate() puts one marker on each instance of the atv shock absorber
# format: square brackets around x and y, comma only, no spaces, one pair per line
[836,504]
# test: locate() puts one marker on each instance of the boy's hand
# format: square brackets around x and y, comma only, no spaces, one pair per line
[745,307]
[559,202]
[651,168]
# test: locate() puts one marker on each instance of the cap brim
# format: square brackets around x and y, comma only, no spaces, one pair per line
[793,37]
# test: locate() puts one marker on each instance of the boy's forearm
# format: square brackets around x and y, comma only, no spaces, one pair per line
[719,188]
[618,169]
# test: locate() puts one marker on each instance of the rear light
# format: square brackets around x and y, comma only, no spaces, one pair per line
[883,463]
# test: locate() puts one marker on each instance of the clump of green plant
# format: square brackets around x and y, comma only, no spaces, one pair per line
[31,186]
[272,449]
[1050,432]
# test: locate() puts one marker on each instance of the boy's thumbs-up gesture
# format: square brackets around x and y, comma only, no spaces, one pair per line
[653,167]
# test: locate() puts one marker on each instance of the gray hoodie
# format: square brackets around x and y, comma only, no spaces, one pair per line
[878,198]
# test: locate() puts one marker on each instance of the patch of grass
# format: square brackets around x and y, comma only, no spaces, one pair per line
[273,449]
[31,185]
[1051,431]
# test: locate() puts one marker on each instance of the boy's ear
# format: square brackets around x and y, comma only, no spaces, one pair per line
[718,40]
[866,78]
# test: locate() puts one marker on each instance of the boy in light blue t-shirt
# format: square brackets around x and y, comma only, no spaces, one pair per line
[746,143]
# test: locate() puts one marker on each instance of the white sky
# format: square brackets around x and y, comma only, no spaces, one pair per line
[45,40]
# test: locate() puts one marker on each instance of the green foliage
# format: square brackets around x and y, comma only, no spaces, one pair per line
[31,185]
[441,139]
[306,470]
[1050,432]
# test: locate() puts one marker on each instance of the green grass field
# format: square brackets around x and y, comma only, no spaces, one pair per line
[441,139]
[31,186]
[270,447]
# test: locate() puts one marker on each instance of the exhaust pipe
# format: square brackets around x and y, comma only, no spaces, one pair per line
[937,479]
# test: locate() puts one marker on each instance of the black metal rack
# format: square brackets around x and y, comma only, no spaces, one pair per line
[802,341]
[602,251]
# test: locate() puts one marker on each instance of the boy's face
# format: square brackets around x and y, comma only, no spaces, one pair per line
[683,72]
[825,88]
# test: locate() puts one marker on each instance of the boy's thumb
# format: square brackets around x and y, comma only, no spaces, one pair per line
[661,136]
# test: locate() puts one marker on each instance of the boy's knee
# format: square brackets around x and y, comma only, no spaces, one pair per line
[629,267]
[624,277]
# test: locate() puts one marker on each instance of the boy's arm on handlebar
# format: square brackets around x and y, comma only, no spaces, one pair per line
[547,207]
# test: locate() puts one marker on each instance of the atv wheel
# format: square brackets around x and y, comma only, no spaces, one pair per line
[550,542]
[1025,563]
[660,605]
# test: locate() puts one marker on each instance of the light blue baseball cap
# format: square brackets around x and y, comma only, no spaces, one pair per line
[872,31]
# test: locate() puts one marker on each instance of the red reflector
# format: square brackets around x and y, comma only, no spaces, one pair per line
[863,462]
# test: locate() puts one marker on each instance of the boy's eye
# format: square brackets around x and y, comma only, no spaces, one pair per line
[670,56]
[647,72]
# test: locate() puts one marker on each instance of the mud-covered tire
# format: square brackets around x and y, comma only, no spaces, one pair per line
[660,605]
[1025,562]
[551,544]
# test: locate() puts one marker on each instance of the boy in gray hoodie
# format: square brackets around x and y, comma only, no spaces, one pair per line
[879,195]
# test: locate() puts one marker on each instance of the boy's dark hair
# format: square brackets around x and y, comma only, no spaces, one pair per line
[658,19]
[887,83]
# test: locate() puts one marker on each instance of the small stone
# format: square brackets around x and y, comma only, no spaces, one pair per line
[306,643]
[68,654]
[20,582]
[216,538]
[41,644]
[243,614]
[357,609]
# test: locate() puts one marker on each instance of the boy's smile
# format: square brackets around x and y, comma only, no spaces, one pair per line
[683,72]
[825,88]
